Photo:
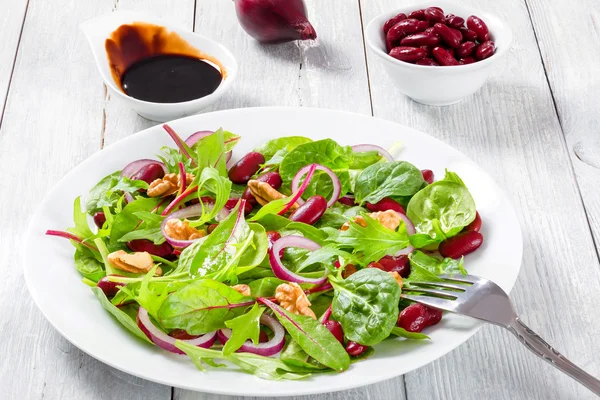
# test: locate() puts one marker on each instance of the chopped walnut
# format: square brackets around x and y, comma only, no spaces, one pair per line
[292,298]
[168,185]
[390,219]
[348,270]
[135,262]
[397,277]
[243,289]
[264,193]
[181,230]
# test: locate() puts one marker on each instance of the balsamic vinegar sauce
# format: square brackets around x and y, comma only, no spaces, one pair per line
[151,63]
[170,79]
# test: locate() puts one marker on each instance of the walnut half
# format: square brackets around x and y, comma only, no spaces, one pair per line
[168,185]
[244,290]
[293,299]
[264,193]
[181,230]
[390,219]
[139,262]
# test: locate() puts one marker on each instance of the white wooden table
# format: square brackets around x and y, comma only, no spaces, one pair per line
[521,127]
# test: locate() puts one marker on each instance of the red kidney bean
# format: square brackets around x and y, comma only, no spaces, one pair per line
[427,61]
[443,57]
[211,228]
[417,14]
[461,244]
[393,21]
[430,30]
[427,50]
[452,37]
[418,316]
[386,204]
[454,21]
[243,170]
[336,329]
[231,203]
[434,14]
[347,201]
[405,27]
[466,60]
[149,173]
[272,178]
[311,211]
[420,39]
[468,34]
[399,264]
[99,219]
[485,50]
[163,250]
[109,288]
[354,349]
[427,175]
[406,53]
[465,49]
[477,25]
[474,226]
[181,335]
[439,8]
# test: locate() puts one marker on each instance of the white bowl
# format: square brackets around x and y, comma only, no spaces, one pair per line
[99,29]
[439,86]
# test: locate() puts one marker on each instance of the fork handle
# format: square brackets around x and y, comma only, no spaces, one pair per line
[542,349]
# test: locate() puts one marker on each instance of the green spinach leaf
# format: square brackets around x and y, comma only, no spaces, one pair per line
[437,266]
[398,178]
[288,143]
[87,264]
[264,287]
[366,304]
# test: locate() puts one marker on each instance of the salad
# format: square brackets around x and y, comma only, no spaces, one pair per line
[287,263]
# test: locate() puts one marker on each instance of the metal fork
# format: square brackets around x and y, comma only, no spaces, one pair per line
[482,299]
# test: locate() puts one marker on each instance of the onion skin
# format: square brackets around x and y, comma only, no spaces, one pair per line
[274,21]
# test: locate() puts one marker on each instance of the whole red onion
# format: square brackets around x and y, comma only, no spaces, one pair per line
[274,21]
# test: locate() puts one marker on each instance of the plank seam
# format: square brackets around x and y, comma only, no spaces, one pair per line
[562,130]
[362,28]
[12,70]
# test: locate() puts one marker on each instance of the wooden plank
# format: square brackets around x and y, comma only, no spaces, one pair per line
[572,71]
[510,128]
[53,121]
[328,75]
[12,15]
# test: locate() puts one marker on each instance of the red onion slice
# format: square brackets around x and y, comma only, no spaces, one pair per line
[337,185]
[361,148]
[410,229]
[297,194]
[280,270]
[134,166]
[194,137]
[167,342]
[272,347]
[191,211]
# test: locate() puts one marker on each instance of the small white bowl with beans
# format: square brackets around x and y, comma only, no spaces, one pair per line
[438,85]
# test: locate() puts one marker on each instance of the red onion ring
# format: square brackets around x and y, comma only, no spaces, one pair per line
[191,211]
[298,194]
[410,227]
[183,177]
[167,342]
[194,137]
[337,185]
[361,148]
[134,166]
[280,270]
[272,347]
[178,200]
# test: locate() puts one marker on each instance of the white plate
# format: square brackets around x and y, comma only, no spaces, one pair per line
[71,307]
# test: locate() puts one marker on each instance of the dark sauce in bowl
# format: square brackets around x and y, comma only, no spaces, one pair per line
[170,79]
[151,63]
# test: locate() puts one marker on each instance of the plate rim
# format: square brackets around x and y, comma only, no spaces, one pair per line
[367,380]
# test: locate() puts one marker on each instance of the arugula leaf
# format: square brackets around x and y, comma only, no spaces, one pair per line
[120,315]
[325,152]
[146,297]
[210,152]
[126,221]
[337,215]
[272,207]
[149,217]
[108,267]
[211,182]
[172,157]
[80,218]
[366,304]
[374,241]
[262,367]
[288,143]
[246,326]
[308,231]
[437,266]
[398,178]
[314,338]
[264,287]
[87,264]
[442,209]
[202,306]
[401,332]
